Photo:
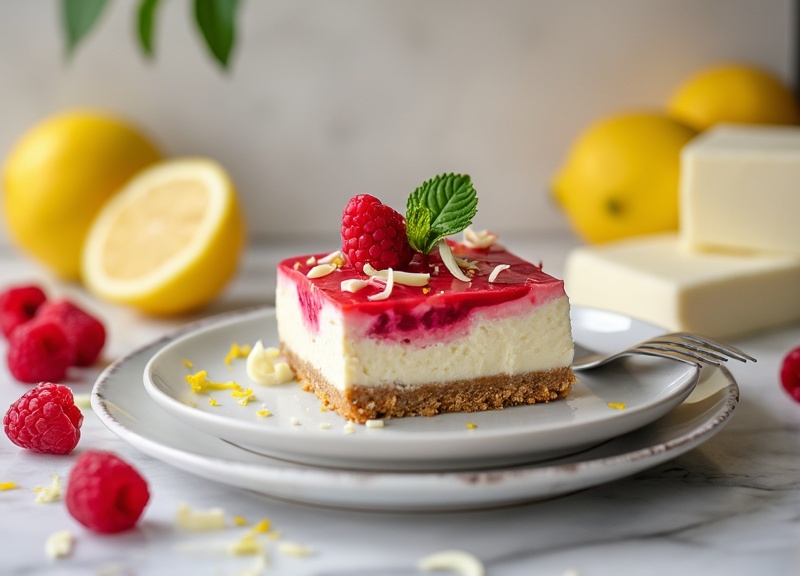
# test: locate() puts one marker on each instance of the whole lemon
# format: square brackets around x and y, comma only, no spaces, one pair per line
[733,93]
[621,177]
[59,174]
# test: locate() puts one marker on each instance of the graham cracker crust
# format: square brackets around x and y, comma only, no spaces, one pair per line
[362,403]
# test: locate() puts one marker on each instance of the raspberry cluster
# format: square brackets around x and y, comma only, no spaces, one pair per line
[46,337]
[374,234]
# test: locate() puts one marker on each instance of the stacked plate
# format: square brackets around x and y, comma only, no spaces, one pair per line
[617,420]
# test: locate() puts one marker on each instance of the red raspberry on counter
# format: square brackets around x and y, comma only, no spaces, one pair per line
[790,373]
[85,332]
[45,420]
[19,304]
[375,234]
[105,493]
[39,351]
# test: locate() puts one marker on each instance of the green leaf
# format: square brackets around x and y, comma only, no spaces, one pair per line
[79,17]
[418,227]
[145,20]
[217,22]
[449,202]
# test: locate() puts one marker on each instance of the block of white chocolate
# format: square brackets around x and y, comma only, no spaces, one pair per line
[740,189]
[655,279]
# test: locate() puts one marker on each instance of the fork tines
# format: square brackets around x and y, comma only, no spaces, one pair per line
[699,347]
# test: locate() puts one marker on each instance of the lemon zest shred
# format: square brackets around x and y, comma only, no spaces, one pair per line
[616,405]
[188,363]
[237,351]
[201,384]
[8,486]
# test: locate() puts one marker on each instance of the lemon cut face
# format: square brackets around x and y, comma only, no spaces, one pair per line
[169,241]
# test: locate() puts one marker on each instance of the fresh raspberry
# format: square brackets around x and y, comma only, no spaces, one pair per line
[39,351]
[790,373]
[105,493]
[375,234]
[85,332]
[18,305]
[45,420]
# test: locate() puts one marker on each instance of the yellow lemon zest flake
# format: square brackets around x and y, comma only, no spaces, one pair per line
[212,401]
[471,426]
[235,352]
[240,521]
[263,413]
[616,405]
[8,486]
[261,527]
[188,363]
[201,384]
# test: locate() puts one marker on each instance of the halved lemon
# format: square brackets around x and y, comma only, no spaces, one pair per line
[169,241]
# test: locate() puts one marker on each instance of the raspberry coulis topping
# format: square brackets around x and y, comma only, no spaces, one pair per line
[449,300]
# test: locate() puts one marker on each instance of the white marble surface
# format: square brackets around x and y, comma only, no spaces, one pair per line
[728,507]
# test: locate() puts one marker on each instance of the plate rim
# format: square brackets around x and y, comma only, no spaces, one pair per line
[225,427]
[486,482]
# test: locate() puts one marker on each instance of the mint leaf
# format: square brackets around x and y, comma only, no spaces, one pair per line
[145,24]
[442,206]
[79,17]
[217,21]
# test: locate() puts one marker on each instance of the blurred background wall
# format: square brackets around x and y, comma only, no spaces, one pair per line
[325,99]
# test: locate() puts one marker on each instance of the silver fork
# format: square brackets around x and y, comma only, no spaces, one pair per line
[681,346]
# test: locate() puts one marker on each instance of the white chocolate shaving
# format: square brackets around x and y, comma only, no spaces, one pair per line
[59,544]
[458,561]
[48,494]
[374,423]
[482,239]
[321,270]
[400,277]
[450,262]
[262,369]
[199,520]
[311,261]
[387,290]
[349,427]
[295,549]
[335,257]
[497,269]
[353,285]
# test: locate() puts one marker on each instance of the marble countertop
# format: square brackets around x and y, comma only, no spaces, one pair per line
[728,507]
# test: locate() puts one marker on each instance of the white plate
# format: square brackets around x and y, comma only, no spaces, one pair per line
[301,432]
[124,406]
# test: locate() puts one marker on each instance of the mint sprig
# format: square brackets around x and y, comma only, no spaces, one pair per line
[441,206]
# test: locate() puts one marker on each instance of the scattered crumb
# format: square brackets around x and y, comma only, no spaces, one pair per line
[59,544]
[325,425]
[294,421]
[349,427]
[616,405]
[294,549]
[458,561]
[8,486]
[247,545]
[311,261]
[571,572]
[374,424]
[199,520]
[50,493]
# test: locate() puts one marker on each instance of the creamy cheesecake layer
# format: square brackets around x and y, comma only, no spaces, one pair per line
[515,337]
